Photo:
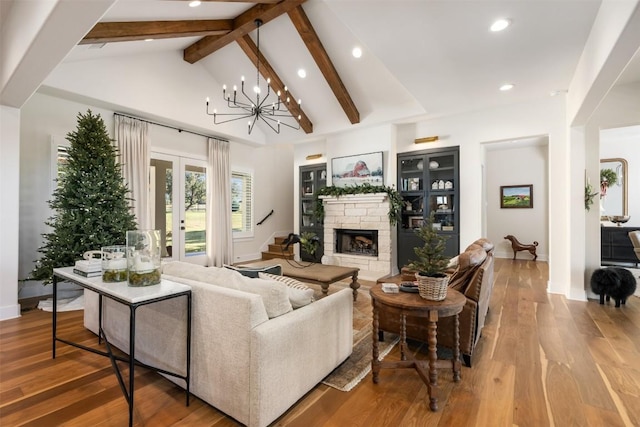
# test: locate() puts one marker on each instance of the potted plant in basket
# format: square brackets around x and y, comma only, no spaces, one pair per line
[431,262]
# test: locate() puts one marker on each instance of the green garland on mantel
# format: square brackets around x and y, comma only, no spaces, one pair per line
[395,199]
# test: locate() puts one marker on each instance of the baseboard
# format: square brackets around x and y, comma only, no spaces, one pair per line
[9,312]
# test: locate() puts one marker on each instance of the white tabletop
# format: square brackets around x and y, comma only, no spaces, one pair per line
[122,290]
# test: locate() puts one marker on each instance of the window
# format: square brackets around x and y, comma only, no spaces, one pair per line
[242,204]
[59,160]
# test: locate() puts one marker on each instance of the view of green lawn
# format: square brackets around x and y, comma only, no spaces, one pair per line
[195,226]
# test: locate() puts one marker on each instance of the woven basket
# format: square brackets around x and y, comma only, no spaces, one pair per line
[432,288]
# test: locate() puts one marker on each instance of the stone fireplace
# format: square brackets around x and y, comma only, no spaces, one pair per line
[357,233]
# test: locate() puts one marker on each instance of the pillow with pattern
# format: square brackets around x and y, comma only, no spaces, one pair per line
[253,271]
[299,293]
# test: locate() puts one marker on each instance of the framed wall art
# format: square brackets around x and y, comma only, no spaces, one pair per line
[351,171]
[516,196]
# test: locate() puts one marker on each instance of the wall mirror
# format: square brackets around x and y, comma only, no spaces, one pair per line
[613,199]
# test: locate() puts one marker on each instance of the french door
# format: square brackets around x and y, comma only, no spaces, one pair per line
[177,194]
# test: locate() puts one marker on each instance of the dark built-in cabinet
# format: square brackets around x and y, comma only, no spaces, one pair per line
[428,181]
[616,246]
[312,178]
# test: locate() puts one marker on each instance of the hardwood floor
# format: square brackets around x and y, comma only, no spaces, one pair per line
[542,361]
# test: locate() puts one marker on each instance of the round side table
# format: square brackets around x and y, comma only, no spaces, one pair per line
[411,304]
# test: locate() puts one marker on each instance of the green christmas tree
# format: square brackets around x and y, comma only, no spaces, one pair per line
[90,203]
[431,259]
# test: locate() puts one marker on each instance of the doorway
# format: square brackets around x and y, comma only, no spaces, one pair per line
[177,194]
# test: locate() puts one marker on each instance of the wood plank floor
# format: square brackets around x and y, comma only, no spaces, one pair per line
[542,361]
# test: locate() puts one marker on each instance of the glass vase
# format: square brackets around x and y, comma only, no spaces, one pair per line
[143,257]
[114,263]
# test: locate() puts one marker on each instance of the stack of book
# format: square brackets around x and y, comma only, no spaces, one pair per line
[88,268]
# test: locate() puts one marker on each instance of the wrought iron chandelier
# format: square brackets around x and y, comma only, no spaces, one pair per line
[273,112]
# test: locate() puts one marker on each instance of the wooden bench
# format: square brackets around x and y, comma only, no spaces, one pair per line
[320,274]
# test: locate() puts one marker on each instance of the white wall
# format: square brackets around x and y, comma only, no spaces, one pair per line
[518,165]
[44,116]
[9,212]
[147,85]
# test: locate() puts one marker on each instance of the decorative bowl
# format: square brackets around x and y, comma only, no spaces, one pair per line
[619,219]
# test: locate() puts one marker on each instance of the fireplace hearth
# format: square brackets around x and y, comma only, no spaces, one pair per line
[357,242]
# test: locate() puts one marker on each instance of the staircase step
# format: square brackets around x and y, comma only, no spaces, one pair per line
[276,255]
[280,240]
[280,249]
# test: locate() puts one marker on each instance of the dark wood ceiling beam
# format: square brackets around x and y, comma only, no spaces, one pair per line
[319,54]
[108,32]
[250,48]
[243,24]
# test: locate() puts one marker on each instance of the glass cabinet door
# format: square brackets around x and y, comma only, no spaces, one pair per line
[307,184]
[428,181]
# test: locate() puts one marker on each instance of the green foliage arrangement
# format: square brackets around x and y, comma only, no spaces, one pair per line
[431,259]
[589,194]
[90,203]
[608,177]
[309,242]
[395,199]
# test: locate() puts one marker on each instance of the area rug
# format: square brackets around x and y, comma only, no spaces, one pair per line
[358,365]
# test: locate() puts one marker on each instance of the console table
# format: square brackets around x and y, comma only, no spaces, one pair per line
[132,297]
[411,304]
[616,246]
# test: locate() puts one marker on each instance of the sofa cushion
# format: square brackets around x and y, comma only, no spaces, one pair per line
[254,271]
[274,297]
[299,293]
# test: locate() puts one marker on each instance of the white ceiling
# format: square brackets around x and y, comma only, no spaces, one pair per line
[422,58]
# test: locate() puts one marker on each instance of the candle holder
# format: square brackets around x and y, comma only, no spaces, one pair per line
[114,263]
[143,257]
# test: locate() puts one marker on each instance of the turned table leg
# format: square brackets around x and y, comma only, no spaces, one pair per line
[433,357]
[375,363]
[456,348]
[355,285]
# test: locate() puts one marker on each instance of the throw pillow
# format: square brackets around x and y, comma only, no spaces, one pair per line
[299,293]
[253,271]
[274,295]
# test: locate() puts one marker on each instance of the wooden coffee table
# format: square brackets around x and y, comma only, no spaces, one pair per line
[320,274]
[411,304]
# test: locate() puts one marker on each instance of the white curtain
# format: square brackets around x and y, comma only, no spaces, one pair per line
[219,233]
[132,142]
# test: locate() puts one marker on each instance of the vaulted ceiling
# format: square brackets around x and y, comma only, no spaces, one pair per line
[421,58]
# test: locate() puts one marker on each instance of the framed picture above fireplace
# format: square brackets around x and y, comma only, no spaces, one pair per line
[352,171]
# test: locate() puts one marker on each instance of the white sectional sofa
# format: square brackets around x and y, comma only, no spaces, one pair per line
[247,365]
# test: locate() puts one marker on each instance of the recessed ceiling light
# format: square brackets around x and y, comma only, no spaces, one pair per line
[557,92]
[356,52]
[148,40]
[194,3]
[302,73]
[507,86]
[500,24]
